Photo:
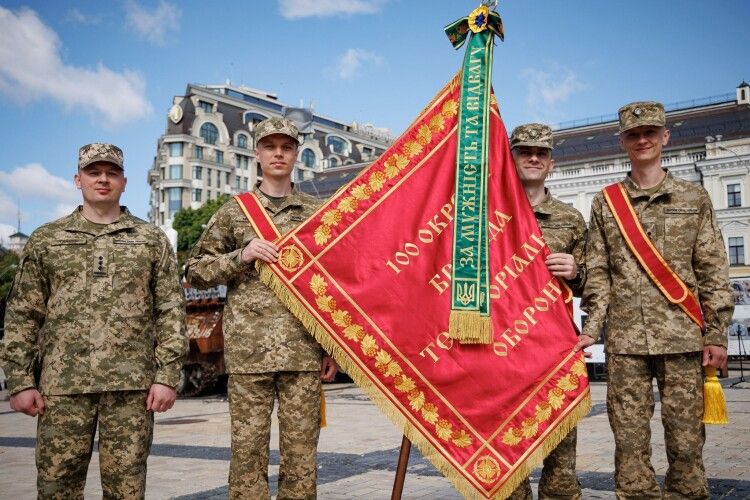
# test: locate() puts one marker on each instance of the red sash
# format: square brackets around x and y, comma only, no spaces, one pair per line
[668,281]
[258,217]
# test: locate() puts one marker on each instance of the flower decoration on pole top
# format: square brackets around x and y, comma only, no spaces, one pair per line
[478,18]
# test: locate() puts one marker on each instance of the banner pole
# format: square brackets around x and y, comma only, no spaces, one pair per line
[403,461]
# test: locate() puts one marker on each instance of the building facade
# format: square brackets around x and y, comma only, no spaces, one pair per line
[207,148]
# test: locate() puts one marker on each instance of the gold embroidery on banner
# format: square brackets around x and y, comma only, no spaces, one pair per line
[486,469]
[386,365]
[392,167]
[530,426]
[291,258]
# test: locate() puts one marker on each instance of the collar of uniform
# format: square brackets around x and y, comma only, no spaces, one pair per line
[79,223]
[634,191]
[293,200]
[545,206]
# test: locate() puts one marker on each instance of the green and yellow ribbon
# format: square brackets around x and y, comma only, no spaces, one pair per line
[470,321]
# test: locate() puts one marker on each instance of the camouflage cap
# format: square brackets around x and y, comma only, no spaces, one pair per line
[92,153]
[531,134]
[638,114]
[276,125]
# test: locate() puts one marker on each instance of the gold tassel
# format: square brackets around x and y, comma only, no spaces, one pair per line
[323,422]
[714,404]
[469,327]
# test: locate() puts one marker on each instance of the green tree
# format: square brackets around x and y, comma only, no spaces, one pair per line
[189,224]
[8,266]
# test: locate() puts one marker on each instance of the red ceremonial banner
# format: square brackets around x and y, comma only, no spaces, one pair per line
[369,275]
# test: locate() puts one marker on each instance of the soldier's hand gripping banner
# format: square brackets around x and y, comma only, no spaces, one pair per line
[370,275]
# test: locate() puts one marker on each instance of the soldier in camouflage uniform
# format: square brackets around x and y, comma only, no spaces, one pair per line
[564,231]
[268,352]
[94,335]
[647,336]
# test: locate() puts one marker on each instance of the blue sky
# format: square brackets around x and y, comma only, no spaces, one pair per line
[87,71]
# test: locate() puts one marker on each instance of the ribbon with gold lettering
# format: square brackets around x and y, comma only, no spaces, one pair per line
[469,318]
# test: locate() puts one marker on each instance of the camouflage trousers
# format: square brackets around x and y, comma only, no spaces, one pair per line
[630,406]
[65,441]
[251,399]
[559,480]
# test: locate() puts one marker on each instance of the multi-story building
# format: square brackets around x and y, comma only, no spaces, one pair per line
[207,148]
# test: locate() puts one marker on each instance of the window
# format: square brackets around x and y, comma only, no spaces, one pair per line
[226,178]
[736,251]
[197,172]
[175,200]
[253,117]
[199,152]
[366,153]
[241,162]
[175,149]
[237,183]
[208,177]
[337,144]
[333,162]
[734,196]
[308,158]
[210,133]
[244,183]
[206,106]
[197,194]
[218,179]
[175,171]
[242,141]
[219,156]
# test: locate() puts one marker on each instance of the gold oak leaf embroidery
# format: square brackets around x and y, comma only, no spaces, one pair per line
[416,399]
[348,204]
[318,285]
[424,135]
[325,303]
[429,413]
[412,149]
[369,345]
[331,217]
[322,234]
[377,181]
[512,437]
[354,332]
[361,192]
[341,318]
[405,384]
[529,427]
[461,439]
[555,398]
[444,429]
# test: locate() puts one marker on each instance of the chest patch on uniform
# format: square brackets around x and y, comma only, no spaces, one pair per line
[680,210]
[130,242]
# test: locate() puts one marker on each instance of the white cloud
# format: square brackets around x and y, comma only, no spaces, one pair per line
[79,17]
[546,90]
[350,64]
[298,9]
[31,68]
[153,24]
[52,196]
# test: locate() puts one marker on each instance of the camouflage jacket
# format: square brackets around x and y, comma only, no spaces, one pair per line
[679,219]
[260,334]
[97,307]
[564,230]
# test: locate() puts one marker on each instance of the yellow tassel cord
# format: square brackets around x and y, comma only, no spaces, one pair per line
[714,404]
[469,327]
[323,422]
[398,419]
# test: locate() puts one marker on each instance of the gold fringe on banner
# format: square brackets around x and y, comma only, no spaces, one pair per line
[714,404]
[398,419]
[470,327]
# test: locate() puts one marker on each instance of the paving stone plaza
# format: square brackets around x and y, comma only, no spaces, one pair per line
[359,449]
